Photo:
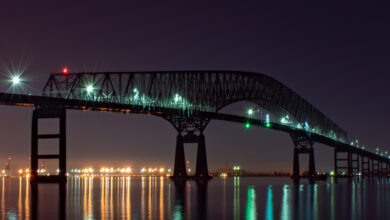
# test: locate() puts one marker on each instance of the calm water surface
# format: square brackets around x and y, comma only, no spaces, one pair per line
[220,198]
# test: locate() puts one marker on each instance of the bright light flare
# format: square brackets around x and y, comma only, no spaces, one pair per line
[15,80]
[89,88]
[65,70]
[250,112]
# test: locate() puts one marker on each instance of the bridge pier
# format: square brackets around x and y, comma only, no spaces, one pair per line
[383,168]
[375,167]
[303,145]
[366,168]
[46,112]
[350,163]
[201,159]
[388,170]
[179,170]
[296,169]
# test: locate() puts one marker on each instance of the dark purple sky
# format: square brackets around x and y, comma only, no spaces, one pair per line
[336,56]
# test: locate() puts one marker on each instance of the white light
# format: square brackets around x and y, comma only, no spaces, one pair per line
[89,88]
[15,80]
[267,118]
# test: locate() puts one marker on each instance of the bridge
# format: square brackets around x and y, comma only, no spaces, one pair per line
[189,100]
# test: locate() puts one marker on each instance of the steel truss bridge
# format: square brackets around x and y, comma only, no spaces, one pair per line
[189,100]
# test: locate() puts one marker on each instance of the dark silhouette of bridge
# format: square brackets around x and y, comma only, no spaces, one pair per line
[189,100]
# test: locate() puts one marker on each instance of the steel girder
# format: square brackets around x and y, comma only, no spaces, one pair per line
[192,91]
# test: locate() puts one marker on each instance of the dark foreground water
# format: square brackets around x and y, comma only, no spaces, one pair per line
[220,198]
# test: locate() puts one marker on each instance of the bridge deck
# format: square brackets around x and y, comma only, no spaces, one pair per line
[36,101]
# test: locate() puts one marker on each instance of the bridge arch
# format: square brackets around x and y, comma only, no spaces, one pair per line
[192,91]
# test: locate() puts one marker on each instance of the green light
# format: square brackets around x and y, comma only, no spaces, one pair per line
[247,125]
[268,125]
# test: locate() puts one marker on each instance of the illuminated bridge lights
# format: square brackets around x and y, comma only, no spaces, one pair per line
[267,118]
[285,120]
[247,125]
[250,112]
[89,88]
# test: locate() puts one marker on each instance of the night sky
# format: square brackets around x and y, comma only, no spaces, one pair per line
[335,56]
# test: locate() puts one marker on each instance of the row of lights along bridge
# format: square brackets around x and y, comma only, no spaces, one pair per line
[16,80]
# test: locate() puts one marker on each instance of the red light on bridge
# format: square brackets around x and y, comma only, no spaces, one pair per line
[65,70]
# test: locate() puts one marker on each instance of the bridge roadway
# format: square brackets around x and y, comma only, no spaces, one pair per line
[54,103]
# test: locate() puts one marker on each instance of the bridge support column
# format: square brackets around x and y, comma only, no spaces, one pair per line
[296,172]
[383,169]
[53,113]
[375,167]
[355,163]
[201,159]
[387,170]
[303,145]
[179,170]
[366,169]
[312,169]
[346,166]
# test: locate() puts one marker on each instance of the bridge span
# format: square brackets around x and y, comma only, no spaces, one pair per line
[189,100]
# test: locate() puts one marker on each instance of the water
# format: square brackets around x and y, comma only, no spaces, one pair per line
[220,198]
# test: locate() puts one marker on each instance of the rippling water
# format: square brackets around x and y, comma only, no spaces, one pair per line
[220,198]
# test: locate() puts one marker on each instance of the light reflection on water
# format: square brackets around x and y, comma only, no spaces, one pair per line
[161,198]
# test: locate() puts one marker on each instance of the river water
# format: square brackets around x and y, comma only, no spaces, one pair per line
[220,198]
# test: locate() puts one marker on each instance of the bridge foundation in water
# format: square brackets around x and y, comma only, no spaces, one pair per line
[303,145]
[46,112]
[180,171]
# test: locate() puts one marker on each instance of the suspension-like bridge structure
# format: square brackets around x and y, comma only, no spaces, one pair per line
[189,100]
